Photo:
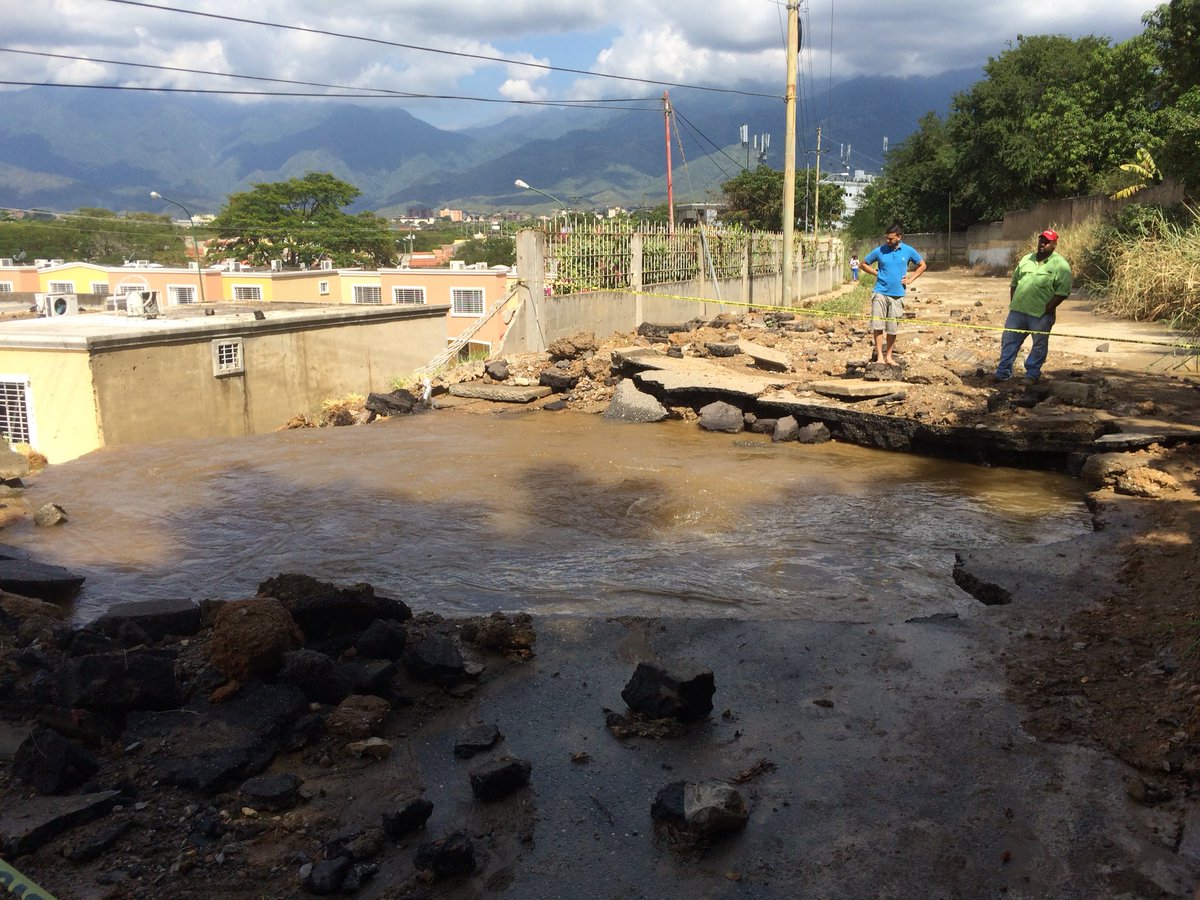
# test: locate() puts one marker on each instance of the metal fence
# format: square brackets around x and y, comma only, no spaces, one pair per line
[595,255]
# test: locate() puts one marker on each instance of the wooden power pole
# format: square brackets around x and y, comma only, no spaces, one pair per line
[789,150]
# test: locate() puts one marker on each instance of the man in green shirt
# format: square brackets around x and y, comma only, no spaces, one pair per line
[1040,282]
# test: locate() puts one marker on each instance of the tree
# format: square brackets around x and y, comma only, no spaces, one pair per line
[494,250]
[301,222]
[1174,30]
[754,199]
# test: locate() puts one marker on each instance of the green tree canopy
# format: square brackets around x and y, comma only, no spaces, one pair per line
[754,199]
[495,250]
[301,222]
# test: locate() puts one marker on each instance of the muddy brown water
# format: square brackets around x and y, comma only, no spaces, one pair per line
[549,513]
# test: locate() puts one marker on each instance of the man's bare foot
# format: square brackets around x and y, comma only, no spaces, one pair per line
[889,361]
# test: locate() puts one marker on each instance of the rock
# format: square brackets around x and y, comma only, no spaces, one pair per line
[1103,469]
[37,580]
[668,804]
[628,404]
[1145,482]
[476,739]
[814,433]
[156,618]
[435,658]
[661,333]
[500,633]
[49,515]
[325,611]
[397,403]
[92,847]
[722,350]
[1075,393]
[786,429]
[211,747]
[249,638]
[51,763]
[500,393]
[360,873]
[15,609]
[371,748]
[574,346]
[369,676]
[495,779]
[713,807]
[679,689]
[881,371]
[304,731]
[13,465]
[555,406]
[447,856]
[557,380]
[496,369]
[762,426]
[315,674]
[272,792]
[411,817]
[326,877]
[383,639]
[116,682]
[37,820]
[722,416]
[358,717]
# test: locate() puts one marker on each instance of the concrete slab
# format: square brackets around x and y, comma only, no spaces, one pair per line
[851,389]
[41,819]
[500,393]
[766,357]
[699,376]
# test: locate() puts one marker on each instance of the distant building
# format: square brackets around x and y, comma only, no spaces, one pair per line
[454,215]
[852,187]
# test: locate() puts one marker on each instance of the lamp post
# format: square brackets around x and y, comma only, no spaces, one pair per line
[528,187]
[195,244]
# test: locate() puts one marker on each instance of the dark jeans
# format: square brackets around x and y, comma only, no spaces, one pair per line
[1011,341]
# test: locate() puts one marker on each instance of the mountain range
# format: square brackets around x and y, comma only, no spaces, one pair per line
[65,148]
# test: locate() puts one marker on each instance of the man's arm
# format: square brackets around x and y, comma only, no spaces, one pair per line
[914,274]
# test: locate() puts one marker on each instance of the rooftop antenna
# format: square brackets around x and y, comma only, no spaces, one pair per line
[744,139]
[885,146]
[762,143]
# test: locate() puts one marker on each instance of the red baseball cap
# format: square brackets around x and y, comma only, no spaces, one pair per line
[1049,235]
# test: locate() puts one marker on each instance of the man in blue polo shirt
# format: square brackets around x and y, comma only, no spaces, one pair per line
[889,264]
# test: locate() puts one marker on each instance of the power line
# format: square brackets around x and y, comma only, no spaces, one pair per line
[382,92]
[459,53]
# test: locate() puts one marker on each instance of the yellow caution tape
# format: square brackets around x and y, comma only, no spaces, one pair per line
[937,323]
[18,885]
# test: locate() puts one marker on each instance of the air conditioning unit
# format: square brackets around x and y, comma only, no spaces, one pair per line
[457,265]
[5,261]
[143,304]
[326,265]
[52,306]
[142,263]
[277,265]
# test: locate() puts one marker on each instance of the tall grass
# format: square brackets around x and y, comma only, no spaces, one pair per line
[1145,266]
[854,302]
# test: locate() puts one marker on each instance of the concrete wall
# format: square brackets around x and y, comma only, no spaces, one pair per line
[148,392]
[933,247]
[63,417]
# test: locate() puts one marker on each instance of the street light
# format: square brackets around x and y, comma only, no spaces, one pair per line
[528,187]
[195,244]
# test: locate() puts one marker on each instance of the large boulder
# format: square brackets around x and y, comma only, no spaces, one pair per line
[250,637]
[51,763]
[722,416]
[316,674]
[398,403]
[679,690]
[117,682]
[325,611]
[574,346]
[156,618]
[435,658]
[631,405]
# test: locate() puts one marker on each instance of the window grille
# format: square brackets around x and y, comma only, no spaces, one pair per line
[323,288]
[100,288]
[6,287]
[61,287]
[365,293]
[466,301]
[228,357]
[15,418]
[412,295]
[181,293]
[247,292]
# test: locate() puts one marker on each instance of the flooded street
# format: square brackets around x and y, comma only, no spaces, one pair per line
[525,510]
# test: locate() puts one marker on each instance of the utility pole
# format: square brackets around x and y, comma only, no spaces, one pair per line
[817,190]
[670,187]
[789,149]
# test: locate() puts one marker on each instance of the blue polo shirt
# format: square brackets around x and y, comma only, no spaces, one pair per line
[892,264]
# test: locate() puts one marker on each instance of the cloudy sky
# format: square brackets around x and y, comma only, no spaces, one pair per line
[509,50]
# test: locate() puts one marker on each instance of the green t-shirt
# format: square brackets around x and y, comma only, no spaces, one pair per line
[1036,283]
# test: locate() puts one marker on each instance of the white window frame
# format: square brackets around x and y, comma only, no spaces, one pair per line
[6,287]
[174,291]
[415,290]
[323,288]
[100,288]
[247,293]
[60,287]
[18,388]
[456,293]
[126,286]
[228,356]
[374,291]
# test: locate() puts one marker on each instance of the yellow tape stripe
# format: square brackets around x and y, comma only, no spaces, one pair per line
[13,882]
[970,326]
